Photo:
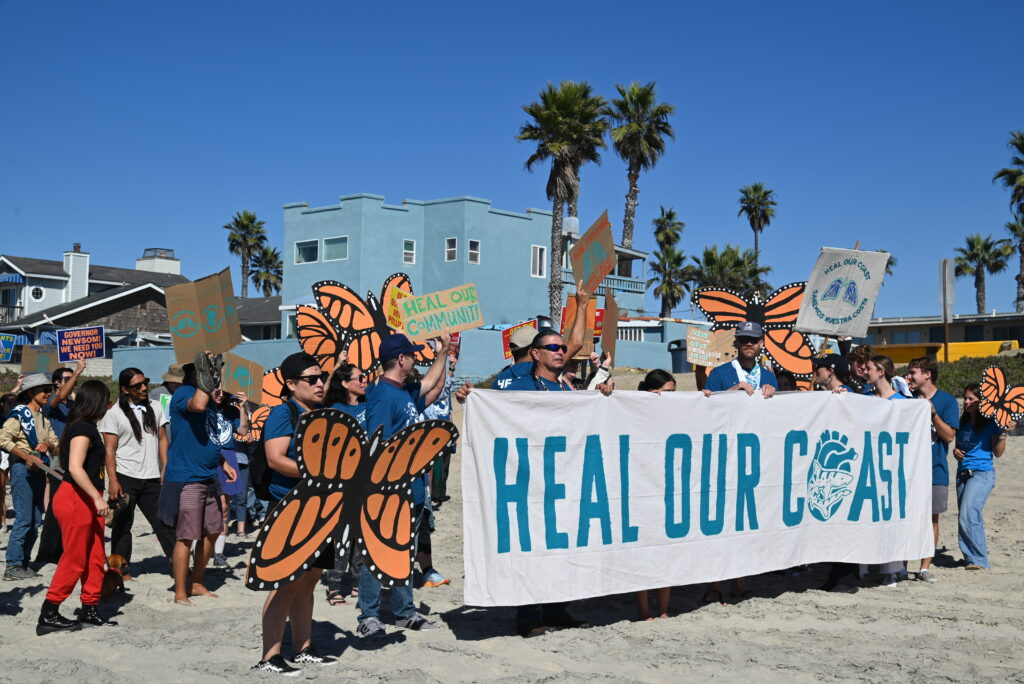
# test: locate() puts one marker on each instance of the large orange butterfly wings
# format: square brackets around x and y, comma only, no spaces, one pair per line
[352,490]
[1000,402]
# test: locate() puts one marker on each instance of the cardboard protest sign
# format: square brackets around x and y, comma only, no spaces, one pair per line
[202,316]
[39,358]
[506,337]
[6,347]
[610,329]
[242,375]
[393,311]
[841,292]
[593,256]
[591,331]
[709,349]
[454,310]
[81,343]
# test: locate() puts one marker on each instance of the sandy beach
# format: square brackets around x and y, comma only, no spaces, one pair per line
[969,626]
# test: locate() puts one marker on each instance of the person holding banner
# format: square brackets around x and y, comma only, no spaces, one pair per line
[743,372]
[832,373]
[922,374]
[29,439]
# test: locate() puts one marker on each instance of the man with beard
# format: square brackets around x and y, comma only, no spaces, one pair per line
[744,373]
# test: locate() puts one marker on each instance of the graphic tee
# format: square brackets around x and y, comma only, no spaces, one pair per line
[976,443]
[192,456]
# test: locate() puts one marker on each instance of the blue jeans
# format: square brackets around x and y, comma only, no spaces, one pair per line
[971,494]
[27,490]
[369,598]
[243,505]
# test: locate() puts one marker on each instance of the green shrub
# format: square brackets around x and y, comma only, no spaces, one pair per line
[956,375]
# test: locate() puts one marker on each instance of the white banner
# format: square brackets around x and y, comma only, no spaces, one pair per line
[841,292]
[568,496]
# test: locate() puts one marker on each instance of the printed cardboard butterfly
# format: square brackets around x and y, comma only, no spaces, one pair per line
[273,388]
[351,490]
[787,348]
[848,288]
[1003,404]
[257,419]
[342,321]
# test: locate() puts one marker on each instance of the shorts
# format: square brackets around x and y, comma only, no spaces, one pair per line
[199,512]
[940,499]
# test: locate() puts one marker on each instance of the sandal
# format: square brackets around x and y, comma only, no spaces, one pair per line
[336,597]
[710,594]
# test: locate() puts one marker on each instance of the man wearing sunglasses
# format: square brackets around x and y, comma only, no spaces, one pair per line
[394,403]
[59,406]
[744,373]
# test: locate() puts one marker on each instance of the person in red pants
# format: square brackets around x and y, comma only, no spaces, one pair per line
[79,506]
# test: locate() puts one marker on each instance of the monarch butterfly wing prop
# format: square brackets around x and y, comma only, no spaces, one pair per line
[399,280]
[725,308]
[1002,404]
[257,419]
[318,336]
[385,519]
[783,306]
[330,446]
[425,356]
[789,350]
[273,388]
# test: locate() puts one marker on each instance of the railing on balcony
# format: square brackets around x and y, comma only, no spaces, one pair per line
[9,314]
[616,282]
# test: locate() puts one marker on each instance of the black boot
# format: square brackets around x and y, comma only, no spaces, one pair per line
[50,620]
[89,615]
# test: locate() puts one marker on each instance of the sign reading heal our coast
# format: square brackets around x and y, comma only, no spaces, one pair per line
[454,310]
[202,316]
[641,490]
[841,292]
[593,255]
[80,343]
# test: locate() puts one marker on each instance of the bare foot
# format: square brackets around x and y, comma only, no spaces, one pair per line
[183,601]
[200,590]
[663,615]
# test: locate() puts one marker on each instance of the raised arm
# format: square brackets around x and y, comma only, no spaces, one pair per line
[579,326]
[433,381]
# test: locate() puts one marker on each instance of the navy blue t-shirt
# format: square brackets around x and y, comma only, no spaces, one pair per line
[511,373]
[946,406]
[58,415]
[193,455]
[279,424]
[357,411]
[395,407]
[723,377]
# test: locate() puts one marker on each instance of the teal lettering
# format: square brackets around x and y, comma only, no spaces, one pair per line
[902,439]
[747,443]
[593,494]
[553,491]
[630,533]
[867,488]
[674,529]
[792,515]
[884,474]
[709,527]
[515,493]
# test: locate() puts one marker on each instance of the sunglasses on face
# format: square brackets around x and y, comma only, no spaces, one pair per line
[747,340]
[554,347]
[357,378]
[137,385]
[314,379]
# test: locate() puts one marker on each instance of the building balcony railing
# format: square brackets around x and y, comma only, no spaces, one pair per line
[9,314]
[619,283]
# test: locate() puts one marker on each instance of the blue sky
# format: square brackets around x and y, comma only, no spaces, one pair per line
[135,124]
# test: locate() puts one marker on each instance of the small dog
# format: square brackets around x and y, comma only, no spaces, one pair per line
[115,576]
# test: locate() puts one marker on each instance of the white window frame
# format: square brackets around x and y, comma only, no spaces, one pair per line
[452,250]
[336,237]
[470,252]
[406,252]
[542,261]
[306,242]
[32,296]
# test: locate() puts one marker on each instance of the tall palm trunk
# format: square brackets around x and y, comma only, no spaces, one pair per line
[979,287]
[629,218]
[666,310]
[1020,278]
[555,274]
[245,273]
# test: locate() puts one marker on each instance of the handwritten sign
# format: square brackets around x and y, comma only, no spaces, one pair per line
[593,256]
[595,317]
[39,358]
[242,375]
[393,311]
[610,329]
[455,310]
[80,343]
[710,349]
[6,347]
[506,336]
[202,316]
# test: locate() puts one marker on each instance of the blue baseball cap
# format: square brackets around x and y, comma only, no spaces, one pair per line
[749,329]
[393,346]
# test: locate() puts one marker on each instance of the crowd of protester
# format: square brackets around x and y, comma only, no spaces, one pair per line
[75,458]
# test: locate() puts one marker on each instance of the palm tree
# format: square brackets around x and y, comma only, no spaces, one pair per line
[246,237]
[1013,178]
[268,271]
[758,203]
[667,228]
[639,128]
[670,275]
[890,265]
[1016,230]
[730,268]
[982,255]
[568,127]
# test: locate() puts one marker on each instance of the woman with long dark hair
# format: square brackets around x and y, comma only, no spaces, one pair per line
[80,507]
[978,442]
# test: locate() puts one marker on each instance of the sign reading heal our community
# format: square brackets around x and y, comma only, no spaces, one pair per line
[641,490]
[203,317]
[593,255]
[454,310]
[841,292]
[709,349]
[80,343]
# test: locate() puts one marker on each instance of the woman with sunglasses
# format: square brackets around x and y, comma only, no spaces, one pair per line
[304,385]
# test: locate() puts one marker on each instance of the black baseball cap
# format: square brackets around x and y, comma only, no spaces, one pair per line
[834,361]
